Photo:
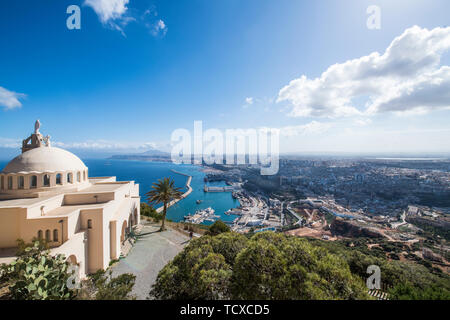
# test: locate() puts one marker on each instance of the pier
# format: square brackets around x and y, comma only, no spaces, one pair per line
[218,189]
[201,216]
[184,195]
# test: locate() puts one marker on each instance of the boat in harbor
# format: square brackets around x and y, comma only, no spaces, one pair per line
[198,201]
[230,212]
[234,211]
[201,216]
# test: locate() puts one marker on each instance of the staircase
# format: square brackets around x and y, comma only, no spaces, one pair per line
[380,295]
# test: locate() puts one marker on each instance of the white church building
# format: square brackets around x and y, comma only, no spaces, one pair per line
[46,193]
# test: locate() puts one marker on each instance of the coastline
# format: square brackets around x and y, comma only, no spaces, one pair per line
[184,195]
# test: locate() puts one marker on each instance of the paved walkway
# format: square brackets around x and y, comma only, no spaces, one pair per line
[152,251]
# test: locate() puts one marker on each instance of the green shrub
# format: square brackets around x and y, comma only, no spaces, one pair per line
[217,227]
[36,275]
[149,211]
[266,266]
[109,288]
[407,291]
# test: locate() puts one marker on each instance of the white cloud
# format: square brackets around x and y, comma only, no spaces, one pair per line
[159,28]
[115,14]
[148,145]
[312,128]
[108,10]
[424,93]
[262,102]
[111,12]
[9,143]
[106,145]
[92,145]
[406,78]
[9,99]
[362,122]
[248,102]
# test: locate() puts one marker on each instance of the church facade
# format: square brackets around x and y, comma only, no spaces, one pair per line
[46,193]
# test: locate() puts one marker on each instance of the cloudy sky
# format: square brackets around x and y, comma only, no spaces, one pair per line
[137,70]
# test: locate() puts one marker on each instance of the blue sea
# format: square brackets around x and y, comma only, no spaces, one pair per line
[146,173]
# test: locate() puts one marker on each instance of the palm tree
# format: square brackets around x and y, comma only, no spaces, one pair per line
[163,191]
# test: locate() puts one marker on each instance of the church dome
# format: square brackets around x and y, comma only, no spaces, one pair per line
[45,159]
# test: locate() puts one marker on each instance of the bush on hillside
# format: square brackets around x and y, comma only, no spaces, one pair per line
[217,227]
[37,275]
[266,266]
[149,211]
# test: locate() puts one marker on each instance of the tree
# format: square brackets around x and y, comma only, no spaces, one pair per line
[107,287]
[37,275]
[292,268]
[217,227]
[149,211]
[407,291]
[163,191]
[394,273]
[200,271]
[266,266]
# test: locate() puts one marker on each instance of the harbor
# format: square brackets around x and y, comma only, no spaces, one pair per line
[201,216]
[207,188]
[254,212]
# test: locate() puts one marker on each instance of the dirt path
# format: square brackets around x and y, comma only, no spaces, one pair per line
[152,251]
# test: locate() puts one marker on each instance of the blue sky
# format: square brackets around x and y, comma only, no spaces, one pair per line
[127,82]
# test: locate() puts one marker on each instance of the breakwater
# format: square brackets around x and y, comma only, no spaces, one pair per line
[184,195]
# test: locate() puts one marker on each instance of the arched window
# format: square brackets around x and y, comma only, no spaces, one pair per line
[10,183]
[84,175]
[33,182]
[59,179]
[70,178]
[3,182]
[21,182]
[48,236]
[72,260]
[55,235]
[40,235]
[90,224]
[78,176]
[46,180]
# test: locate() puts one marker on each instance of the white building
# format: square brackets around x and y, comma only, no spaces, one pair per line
[46,193]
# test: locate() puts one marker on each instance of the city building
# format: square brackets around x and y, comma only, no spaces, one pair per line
[46,193]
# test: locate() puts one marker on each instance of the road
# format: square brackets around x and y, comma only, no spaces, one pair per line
[288,207]
[151,252]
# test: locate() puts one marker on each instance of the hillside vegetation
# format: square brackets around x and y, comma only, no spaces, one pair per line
[271,266]
[266,266]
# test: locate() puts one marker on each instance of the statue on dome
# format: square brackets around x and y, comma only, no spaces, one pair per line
[47,141]
[36,140]
[37,126]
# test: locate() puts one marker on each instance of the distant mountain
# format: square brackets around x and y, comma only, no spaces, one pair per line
[149,155]
[154,152]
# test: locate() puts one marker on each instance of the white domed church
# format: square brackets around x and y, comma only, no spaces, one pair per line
[46,193]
